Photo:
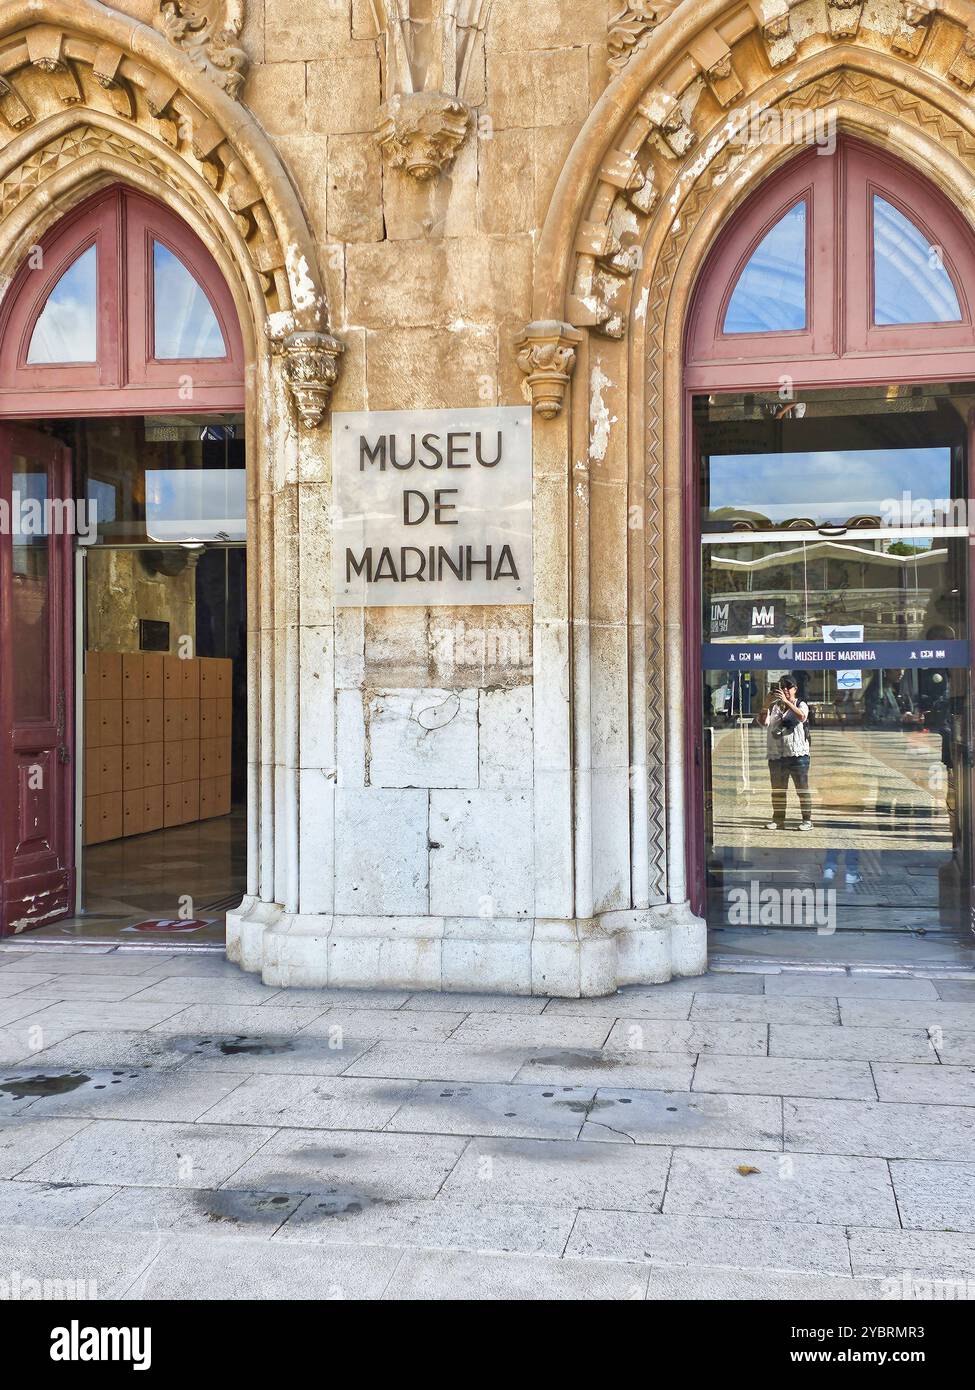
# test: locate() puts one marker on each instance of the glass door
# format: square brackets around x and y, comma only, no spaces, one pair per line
[836,748]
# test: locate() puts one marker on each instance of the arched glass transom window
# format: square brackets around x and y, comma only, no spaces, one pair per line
[844,256]
[124,309]
[770,295]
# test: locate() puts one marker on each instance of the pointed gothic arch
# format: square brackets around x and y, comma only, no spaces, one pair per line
[664,160]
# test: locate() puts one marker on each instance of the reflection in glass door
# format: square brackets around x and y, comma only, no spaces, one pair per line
[832,558]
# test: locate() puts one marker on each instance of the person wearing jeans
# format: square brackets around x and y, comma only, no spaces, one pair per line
[785,718]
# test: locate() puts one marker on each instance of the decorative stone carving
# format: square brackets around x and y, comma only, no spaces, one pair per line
[962,69]
[547,355]
[422,131]
[427,48]
[913,26]
[631,28]
[311,365]
[208,31]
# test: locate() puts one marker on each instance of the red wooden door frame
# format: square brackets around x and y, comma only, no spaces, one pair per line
[908,355]
[37,836]
[126,379]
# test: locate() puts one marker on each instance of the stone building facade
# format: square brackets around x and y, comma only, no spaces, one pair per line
[456,205]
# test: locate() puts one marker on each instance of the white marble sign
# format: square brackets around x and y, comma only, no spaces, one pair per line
[432,507]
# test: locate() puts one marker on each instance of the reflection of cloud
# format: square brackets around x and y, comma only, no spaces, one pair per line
[826,484]
[195,504]
[66,328]
[186,326]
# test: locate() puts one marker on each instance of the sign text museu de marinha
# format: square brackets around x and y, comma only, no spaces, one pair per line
[432,507]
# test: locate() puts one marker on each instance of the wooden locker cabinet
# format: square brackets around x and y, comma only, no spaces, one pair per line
[158,734]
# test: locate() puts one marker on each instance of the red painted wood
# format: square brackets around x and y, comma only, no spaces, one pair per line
[841,346]
[36,773]
[126,379]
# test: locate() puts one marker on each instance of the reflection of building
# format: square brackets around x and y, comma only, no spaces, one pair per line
[787,590]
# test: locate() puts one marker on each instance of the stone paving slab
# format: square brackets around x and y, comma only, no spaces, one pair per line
[271,1054]
[648,1035]
[395,1024]
[749,1008]
[158,1154]
[801,984]
[672,1118]
[876,1013]
[850,1044]
[431,1225]
[468,1003]
[49,1204]
[613,1006]
[14,983]
[554,1172]
[90,961]
[957,991]
[785,1247]
[195,1267]
[377,1166]
[23,1141]
[529,1112]
[311,1102]
[935,1196]
[146,1093]
[225,1211]
[431,1061]
[945,1085]
[205,1020]
[820,1188]
[928,1254]
[957,1049]
[85,1264]
[438,1276]
[99,988]
[670,1285]
[570,1066]
[886,1130]
[542,1030]
[785,1076]
[76,1015]
[192,989]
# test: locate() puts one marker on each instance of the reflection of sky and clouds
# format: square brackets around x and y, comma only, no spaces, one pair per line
[911,284]
[66,330]
[186,326]
[770,295]
[195,504]
[826,486]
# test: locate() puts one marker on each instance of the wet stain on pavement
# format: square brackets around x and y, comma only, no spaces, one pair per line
[247,1208]
[43,1084]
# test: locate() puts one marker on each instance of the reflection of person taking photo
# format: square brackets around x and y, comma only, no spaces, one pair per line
[785,718]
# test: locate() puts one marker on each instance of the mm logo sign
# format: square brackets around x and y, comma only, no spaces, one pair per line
[764,616]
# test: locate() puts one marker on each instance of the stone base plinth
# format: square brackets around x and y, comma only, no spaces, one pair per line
[565,959]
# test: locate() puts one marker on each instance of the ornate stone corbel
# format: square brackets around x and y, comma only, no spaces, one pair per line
[105,70]
[547,355]
[311,364]
[623,172]
[45,48]
[913,26]
[775,21]
[662,112]
[422,131]
[962,70]
[844,17]
[426,51]
[14,111]
[208,32]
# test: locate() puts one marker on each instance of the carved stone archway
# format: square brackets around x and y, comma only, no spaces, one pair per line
[90,97]
[658,168]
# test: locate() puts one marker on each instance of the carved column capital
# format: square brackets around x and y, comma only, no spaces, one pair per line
[422,131]
[547,355]
[311,364]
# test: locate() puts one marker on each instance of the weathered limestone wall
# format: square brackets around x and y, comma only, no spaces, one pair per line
[447,779]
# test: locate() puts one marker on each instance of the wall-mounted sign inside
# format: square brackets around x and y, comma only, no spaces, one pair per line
[432,507]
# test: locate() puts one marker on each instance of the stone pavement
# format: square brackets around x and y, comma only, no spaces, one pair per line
[171,1128]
